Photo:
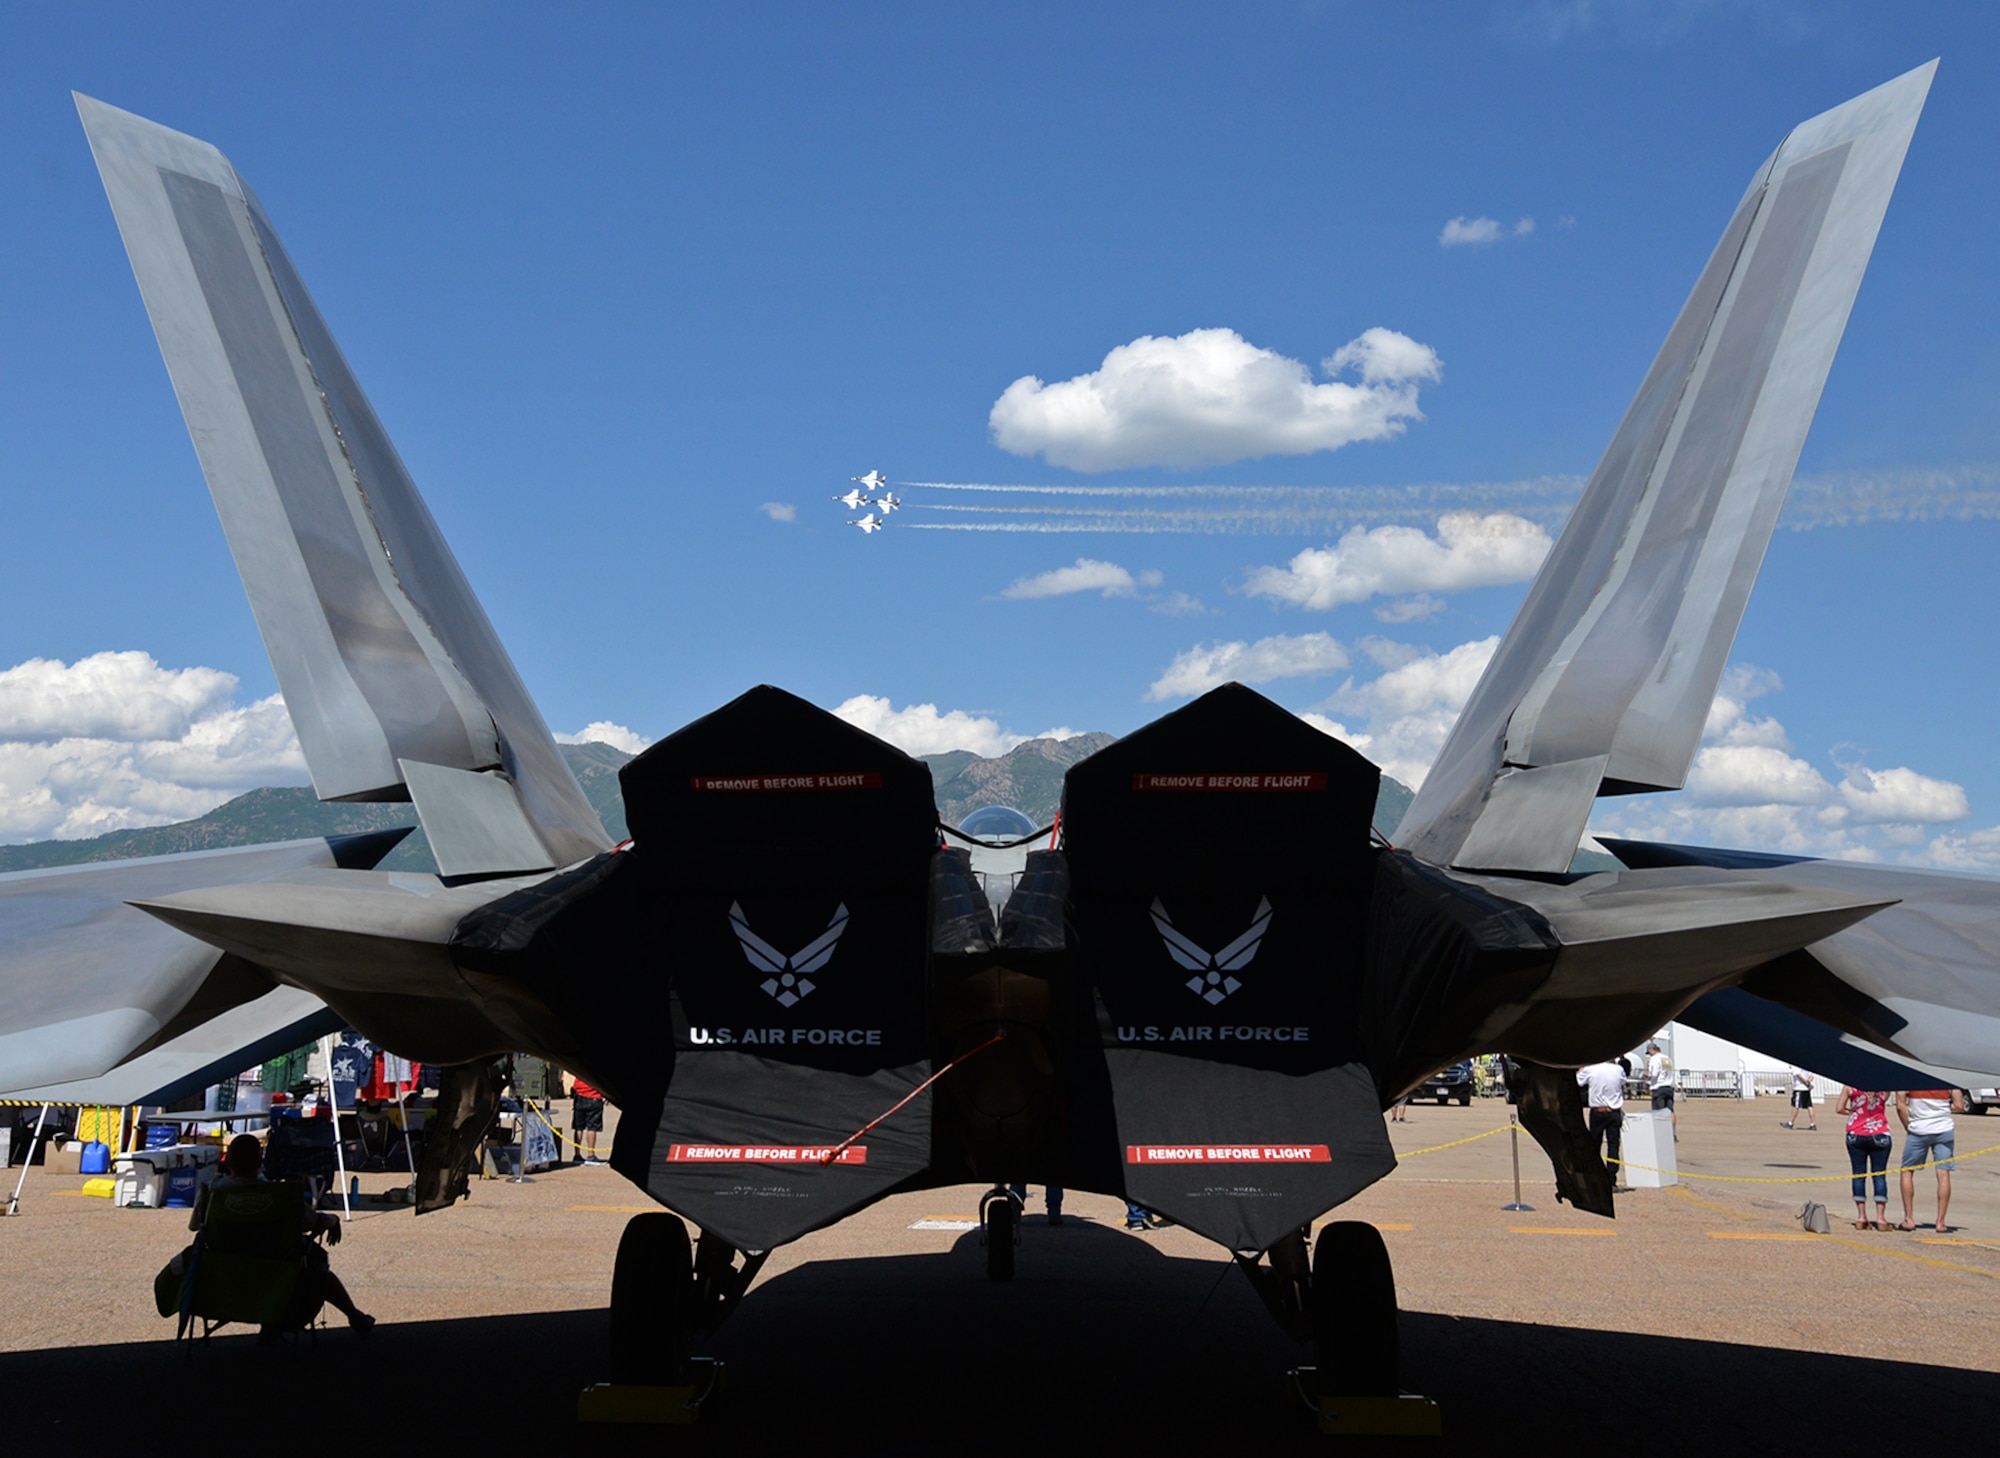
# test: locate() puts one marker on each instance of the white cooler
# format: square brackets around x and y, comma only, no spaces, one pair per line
[139,1181]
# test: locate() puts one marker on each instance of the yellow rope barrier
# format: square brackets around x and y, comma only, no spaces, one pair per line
[1470,1139]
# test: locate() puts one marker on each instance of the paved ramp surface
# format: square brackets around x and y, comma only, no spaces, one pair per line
[1699,1317]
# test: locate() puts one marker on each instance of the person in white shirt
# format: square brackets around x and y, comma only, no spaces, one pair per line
[1802,1086]
[1926,1115]
[1660,1078]
[1605,1083]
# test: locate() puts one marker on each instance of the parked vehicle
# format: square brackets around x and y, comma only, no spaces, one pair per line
[1454,1082]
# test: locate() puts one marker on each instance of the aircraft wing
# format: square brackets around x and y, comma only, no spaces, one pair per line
[376,947]
[1907,999]
[1604,681]
[395,679]
[212,1051]
[88,984]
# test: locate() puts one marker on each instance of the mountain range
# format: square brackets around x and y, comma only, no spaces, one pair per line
[1028,777]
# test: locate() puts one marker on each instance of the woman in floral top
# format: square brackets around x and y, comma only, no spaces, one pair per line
[1868,1145]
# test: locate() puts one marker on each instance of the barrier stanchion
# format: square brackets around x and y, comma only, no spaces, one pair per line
[1514,1142]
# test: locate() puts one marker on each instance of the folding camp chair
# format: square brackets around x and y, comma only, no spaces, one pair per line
[248,1264]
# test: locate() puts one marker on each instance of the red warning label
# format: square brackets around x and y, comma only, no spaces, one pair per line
[765,1154]
[859,780]
[1227,1154]
[1297,781]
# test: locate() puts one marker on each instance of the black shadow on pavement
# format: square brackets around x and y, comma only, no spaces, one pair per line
[1099,1338]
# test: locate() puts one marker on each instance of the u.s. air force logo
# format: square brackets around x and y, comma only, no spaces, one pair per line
[1211,981]
[788,981]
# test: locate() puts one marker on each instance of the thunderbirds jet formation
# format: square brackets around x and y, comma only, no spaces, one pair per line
[885,503]
[1200,999]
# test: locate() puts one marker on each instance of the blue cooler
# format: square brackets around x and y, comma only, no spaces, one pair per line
[162,1136]
[181,1185]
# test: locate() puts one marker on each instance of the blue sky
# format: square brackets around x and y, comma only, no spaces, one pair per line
[618,277]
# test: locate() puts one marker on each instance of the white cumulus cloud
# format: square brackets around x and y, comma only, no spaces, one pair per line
[1338,730]
[1107,579]
[115,741]
[107,695]
[603,731]
[1747,789]
[923,729]
[1410,609]
[1405,712]
[1464,232]
[1471,549]
[1210,665]
[1210,396]
[1900,796]
[1973,850]
[780,510]
[1754,774]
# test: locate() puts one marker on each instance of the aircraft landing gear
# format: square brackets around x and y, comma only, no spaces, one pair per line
[1349,1311]
[999,1220]
[656,1306]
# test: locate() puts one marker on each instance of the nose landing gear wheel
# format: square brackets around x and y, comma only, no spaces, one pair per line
[652,1301]
[1353,1310]
[1000,1217]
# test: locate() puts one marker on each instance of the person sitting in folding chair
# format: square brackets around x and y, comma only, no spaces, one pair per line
[233,1215]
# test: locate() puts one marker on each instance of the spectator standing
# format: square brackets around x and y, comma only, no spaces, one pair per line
[1868,1145]
[1605,1083]
[1926,1115]
[586,1121]
[1660,1079]
[1802,1086]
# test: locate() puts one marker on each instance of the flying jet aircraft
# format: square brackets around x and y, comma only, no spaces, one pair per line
[874,480]
[855,500]
[1200,998]
[889,502]
[868,523]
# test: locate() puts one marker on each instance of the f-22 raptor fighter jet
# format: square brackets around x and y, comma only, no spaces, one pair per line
[1200,999]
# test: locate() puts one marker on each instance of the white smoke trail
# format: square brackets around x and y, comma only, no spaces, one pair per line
[1957,493]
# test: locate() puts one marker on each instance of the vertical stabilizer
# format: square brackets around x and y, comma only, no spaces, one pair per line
[1604,681]
[380,647]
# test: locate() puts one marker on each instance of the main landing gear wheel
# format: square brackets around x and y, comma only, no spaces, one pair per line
[999,1215]
[1353,1311]
[652,1302]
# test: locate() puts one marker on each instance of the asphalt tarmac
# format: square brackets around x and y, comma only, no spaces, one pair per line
[1702,1317]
